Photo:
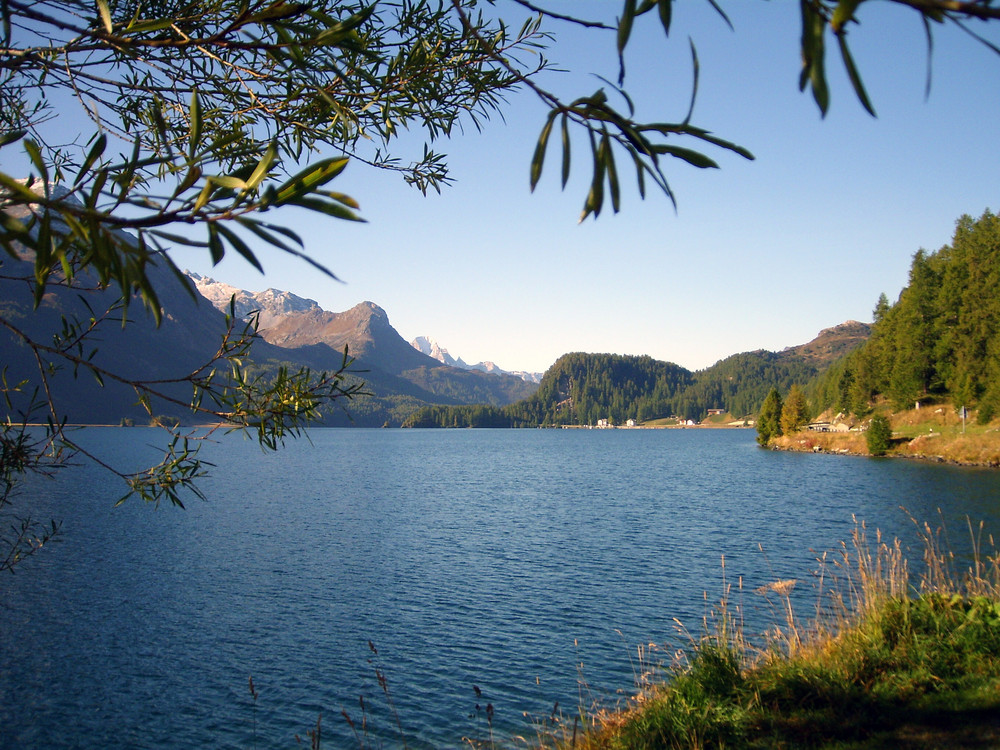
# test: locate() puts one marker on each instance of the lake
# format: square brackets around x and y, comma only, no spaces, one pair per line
[530,564]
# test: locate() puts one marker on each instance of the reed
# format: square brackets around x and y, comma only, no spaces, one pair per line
[889,659]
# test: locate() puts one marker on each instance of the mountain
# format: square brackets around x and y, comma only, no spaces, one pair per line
[271,304]
[580,389]
[294,332]
[400,378]
[832,343]
[434,350]
[133,348]
[365,329]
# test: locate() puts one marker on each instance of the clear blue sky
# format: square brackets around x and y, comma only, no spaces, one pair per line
[759,254]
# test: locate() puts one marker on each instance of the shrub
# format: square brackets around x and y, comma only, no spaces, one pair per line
[879,436]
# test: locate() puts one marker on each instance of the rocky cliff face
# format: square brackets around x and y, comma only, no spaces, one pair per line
[434,350]
[832,343]
[271,304]
[364,329]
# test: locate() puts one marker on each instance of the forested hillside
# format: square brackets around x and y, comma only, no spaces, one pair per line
[740,383]
[939,340]
[580,389]
[584,388]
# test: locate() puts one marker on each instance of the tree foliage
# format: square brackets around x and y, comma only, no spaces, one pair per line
[794,411]
[740,383]
[940,338]
[878,437]
[769,419]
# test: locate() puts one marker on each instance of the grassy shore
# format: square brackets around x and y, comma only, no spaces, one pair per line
[933,432]
[888,662]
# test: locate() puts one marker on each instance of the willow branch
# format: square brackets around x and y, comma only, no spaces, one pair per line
[560,17]
[969,8]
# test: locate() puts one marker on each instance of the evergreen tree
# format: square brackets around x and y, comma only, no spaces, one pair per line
[769,419]
[795,411]
[881,308]
[878,436]
[913,369]
[864,382]
[942,337]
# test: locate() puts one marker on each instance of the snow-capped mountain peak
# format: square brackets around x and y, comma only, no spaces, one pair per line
[434,350]
[272,304]
[282,321]
[431,348]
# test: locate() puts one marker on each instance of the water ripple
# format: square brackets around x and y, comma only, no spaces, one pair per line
[529,564]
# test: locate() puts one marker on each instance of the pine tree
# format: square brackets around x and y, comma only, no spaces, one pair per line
[769,419]
[795,412]
[878,436]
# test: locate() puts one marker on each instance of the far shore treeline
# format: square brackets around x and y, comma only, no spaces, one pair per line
[581,389]
[939,342]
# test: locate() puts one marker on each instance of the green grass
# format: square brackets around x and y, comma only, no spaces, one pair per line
[664,422]
[719,419]
[890,663]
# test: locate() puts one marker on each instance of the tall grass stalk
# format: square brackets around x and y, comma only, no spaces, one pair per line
[883,657]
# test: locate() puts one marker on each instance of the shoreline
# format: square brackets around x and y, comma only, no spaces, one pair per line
[951,450]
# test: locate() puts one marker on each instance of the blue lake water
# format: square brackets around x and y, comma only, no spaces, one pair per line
[527,563]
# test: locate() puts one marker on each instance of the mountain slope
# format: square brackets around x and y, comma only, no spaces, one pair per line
[832,343]
[580,389]
[434,350]
[187,338]
[365,328]
[400,378]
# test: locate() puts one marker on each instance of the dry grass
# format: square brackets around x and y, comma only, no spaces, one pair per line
[891,657]
[975,449]
[933,432]
[826,442]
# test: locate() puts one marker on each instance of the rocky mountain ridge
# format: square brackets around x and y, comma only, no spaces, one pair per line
[271,304]
[433,349]
[290,321]
[832,343]
[399,377]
